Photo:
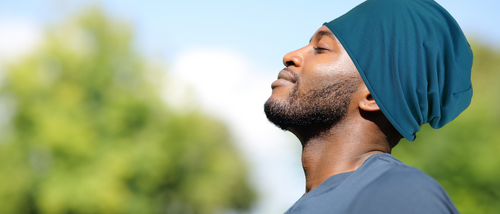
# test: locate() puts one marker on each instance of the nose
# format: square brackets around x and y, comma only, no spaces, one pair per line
[293,58]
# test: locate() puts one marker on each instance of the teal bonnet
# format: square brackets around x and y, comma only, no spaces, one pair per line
[413,58]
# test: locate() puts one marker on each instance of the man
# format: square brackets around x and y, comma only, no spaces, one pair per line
[365,80]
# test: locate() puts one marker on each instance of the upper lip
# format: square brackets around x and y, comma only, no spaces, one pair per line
[286,75]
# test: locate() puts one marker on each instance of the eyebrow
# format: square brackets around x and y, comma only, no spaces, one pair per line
[325,33]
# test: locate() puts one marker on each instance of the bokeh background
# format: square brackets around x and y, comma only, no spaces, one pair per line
[156,107]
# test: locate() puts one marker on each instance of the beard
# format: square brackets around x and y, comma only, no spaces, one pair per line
[322,108]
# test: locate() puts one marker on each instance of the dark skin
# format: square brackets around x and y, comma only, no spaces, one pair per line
[359,135]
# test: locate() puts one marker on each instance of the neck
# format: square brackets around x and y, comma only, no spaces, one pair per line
[342,148]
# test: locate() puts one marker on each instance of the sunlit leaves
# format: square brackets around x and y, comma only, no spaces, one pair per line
[87,133]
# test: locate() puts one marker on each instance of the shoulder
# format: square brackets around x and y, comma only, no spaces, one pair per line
[397,174]
[402,189]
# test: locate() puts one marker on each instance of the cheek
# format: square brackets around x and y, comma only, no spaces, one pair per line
[320,74]
[328,71]
[341,65]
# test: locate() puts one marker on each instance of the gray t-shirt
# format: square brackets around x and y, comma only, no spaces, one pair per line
[382,185]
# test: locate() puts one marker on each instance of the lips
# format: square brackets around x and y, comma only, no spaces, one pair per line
[284,78]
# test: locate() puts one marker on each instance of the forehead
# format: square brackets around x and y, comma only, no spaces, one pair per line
[324,31]
[323,28]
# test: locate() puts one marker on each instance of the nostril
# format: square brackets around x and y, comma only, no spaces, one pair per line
[292,59]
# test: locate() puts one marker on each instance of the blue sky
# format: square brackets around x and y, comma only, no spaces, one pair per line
[237,49]
[262,30]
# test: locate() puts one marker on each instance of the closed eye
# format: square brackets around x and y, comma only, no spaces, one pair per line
[319,50]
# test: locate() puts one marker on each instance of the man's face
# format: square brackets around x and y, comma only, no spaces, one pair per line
[316,86]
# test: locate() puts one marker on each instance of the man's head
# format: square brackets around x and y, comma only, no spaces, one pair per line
[319,87]
[412,57]
[315,87]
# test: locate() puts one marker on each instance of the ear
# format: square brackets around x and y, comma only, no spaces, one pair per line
[367,103]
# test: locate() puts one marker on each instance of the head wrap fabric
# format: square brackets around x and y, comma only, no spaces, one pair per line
[413,58]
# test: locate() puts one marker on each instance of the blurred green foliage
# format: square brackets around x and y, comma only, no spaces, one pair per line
[464,155]
[86,132]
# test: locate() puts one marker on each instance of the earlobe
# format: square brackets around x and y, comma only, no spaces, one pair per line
[367,103]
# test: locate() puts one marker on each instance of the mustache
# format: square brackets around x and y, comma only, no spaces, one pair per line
[293,73]
[293,93]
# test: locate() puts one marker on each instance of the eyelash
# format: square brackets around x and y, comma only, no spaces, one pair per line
[318,49]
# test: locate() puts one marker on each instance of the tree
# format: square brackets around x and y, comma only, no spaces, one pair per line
[88,133]
[463,155]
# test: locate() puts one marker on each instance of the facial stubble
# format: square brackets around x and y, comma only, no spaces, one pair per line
[322,107]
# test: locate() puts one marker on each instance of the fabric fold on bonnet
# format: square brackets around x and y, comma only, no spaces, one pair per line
[413,58]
